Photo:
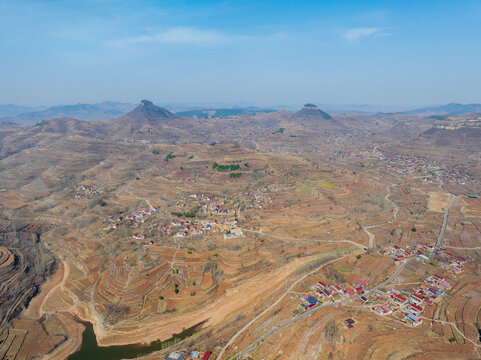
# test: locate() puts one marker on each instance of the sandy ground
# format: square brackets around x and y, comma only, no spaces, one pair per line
[233,300]
[34,309]
[74,341]
[437,201]
[72,327]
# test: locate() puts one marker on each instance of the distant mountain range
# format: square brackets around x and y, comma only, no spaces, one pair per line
[146,122]
[100,111]
[448,109]
[10,110]
[108,110]
[217,113]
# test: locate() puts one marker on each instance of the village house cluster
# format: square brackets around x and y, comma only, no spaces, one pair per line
[140,141]
[410,305]
[176,227]
[196,215]
[456,175]
[322,292]
[185,228]
[228,204]
[408,164]
[213,214]
[216,214]
[398,254]
[407,305]
[194,355]
[87,190]
[451,175]
[420,250]
[136,218]
[450,261]
[424,252]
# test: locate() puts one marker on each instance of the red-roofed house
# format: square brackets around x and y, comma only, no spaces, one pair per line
[417,299]
[399,299]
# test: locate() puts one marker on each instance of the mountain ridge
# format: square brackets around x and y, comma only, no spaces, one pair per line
[447,109]
[98,111]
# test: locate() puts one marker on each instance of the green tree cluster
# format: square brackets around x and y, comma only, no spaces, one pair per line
[224,168]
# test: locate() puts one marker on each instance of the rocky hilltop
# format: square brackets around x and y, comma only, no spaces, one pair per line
[312,111]
[459,124]
[146,110]
[458,132]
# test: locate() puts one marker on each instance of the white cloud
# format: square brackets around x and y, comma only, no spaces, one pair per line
[358,34]
[178,35]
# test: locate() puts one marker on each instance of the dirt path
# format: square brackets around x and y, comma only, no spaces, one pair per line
[128,191]
[74,339]
[314,309]
[33,309]
[159,281]
[370,235]
[363,247]
[66,273]
[463,248]
[396,207]
[238,333]
[455,326]
[212,314]
[307,336]
[439,241]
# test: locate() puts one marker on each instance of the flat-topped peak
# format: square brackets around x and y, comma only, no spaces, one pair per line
[147,110]
[311,111]
[146,103]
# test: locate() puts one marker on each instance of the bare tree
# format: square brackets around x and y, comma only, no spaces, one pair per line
[332,331]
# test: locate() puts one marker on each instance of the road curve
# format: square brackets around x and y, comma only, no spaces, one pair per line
[314,309]
[238,333]
[309,312]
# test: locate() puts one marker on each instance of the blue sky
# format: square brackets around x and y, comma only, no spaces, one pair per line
[399,53]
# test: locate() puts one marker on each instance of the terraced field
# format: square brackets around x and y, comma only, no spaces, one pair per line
[329,219]
[23,266]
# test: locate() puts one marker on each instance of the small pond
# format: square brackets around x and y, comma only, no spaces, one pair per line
[90,350]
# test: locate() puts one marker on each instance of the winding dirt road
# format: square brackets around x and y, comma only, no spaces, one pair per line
[238,333]
[66,273]
[313,310]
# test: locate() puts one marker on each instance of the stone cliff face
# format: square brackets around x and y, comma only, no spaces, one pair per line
[459,124]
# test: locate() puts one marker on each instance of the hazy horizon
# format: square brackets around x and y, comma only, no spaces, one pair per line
[183,106]
[400,55]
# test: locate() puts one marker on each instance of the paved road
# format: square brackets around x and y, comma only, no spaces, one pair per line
[237,334]
[342,302]
[445,220]
[317,308]
[439,242]
[310,311]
